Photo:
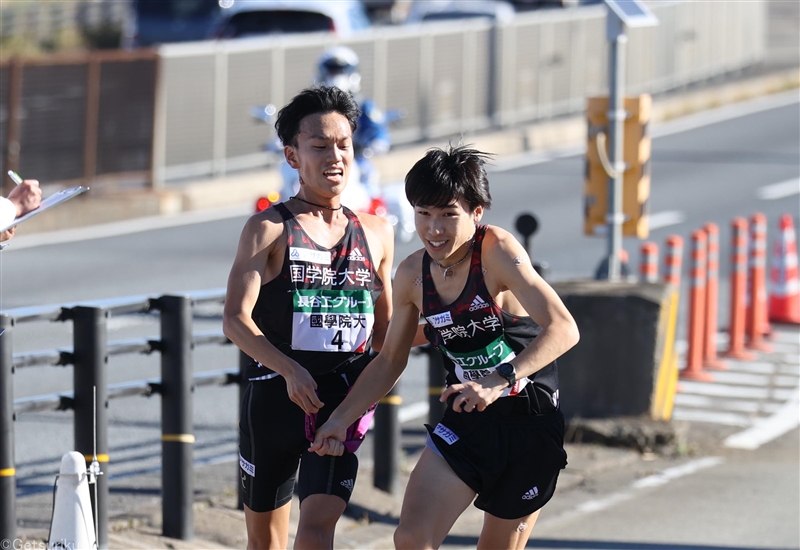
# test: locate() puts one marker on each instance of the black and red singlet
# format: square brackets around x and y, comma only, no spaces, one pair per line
[320,309]
[475,335]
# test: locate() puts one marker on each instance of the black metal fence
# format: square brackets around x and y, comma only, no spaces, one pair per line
[89,358]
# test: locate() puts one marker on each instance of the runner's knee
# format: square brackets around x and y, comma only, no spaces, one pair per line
[314,538]
[407,538]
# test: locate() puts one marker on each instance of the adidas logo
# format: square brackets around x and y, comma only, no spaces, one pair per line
[477,304]
[532,494]
[348,484]
[356,256]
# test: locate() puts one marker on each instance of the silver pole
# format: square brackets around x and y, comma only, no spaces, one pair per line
[616,121]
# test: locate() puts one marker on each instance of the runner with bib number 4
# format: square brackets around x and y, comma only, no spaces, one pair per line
[500,328]
[308,298]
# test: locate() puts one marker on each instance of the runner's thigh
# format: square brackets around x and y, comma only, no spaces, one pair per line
[272,439]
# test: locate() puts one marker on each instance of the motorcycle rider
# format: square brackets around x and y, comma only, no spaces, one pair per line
[338,66]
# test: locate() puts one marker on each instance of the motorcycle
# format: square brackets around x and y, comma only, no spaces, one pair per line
[363,192]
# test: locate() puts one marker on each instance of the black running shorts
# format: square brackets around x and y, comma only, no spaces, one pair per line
[272,441]
[511,461]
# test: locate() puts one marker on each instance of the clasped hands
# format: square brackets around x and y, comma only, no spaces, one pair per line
[470,396]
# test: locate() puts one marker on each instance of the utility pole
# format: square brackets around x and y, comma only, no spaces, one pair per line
[621,14]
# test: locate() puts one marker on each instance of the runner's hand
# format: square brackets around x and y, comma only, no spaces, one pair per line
[475,395]
[329,439]
[302,390]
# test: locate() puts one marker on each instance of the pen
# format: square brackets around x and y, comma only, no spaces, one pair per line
[14,177]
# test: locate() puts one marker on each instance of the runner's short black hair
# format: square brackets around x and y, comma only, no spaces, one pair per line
[443,177]
[313,100]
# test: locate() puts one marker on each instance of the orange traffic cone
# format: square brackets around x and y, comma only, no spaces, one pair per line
[784,296]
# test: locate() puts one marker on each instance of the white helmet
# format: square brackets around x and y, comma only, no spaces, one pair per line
[338,66]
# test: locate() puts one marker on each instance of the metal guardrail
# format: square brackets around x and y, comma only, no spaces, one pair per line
[89,357]
[89,360]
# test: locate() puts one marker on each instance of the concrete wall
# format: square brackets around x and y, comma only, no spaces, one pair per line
[624,364]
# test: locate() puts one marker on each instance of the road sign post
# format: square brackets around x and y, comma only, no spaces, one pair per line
[621,14]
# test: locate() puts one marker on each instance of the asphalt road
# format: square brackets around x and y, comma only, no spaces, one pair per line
[711,167]
[729,500]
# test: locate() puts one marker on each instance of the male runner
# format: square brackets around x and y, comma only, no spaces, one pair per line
[500,328]
[308,295]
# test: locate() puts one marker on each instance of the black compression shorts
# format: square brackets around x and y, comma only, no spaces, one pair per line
[272,441]
[511,461]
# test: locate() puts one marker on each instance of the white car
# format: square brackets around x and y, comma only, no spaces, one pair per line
[426,11]
[245,18]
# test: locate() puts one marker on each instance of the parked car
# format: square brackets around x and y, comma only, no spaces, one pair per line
[424,11]
[155,22]
[261,17]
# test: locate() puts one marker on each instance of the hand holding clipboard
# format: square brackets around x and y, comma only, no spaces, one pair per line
[51,201]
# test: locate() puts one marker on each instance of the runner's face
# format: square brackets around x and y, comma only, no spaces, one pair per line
[446,232]
[323,155]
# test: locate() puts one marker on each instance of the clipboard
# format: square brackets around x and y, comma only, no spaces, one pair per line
[53,200]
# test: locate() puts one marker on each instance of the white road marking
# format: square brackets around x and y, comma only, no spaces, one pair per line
[763,431]
[676,472]
[713,417]
[737,365]
[690,401]
[779,190]
[665,219]
[743,378]
[726,112]
[655,480]
[531,158]
[126,227]
[724,390]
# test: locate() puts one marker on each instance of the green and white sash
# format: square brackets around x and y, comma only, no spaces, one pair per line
[332,320]
[474,365]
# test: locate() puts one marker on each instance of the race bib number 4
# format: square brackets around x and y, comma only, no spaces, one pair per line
[474,365]
[332,320]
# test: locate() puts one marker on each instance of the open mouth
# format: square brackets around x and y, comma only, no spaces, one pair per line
[437,244]
[333,173]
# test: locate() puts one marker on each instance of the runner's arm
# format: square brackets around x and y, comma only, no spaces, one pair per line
[508,258]
[514,271]
[256,244]
[382,373]
[383,307]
